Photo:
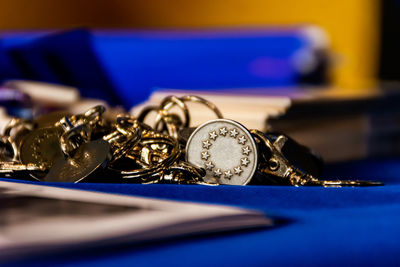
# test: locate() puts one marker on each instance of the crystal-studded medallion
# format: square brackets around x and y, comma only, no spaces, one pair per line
[225,149]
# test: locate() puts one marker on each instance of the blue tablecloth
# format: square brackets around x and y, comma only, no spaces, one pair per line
[324,226]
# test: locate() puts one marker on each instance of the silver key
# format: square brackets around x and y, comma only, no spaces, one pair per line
[226,149]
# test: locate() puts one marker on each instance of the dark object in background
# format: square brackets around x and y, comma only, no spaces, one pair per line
[343,129]
[320,73]
[390,40]
[65,58]
[8,70]
[16,103]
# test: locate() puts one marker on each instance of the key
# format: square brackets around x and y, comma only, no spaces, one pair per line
[226,149]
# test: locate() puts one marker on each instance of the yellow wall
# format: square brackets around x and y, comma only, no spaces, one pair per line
[351,24]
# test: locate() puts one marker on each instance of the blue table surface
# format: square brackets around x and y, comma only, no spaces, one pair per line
[325,226]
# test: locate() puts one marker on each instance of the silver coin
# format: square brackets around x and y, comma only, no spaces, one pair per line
[226,149]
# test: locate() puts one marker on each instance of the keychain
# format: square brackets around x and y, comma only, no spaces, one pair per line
[92,147]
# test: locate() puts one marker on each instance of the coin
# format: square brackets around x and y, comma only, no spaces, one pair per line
[41,147]
[226,149]
[88,158]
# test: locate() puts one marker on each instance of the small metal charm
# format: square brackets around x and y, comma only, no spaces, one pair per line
[88,158]
[41,147]
[226,149]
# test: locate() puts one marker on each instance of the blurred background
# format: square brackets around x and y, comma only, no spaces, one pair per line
[120,50]
[354,27]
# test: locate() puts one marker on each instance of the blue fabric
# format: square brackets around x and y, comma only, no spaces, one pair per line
[325,226]
[123,67]
[65,58]
[8,70]
[213,59]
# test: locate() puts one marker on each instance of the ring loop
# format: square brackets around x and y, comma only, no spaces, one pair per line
[151,171]
[80,132]
[198,99]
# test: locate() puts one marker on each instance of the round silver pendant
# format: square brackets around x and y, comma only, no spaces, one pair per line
[226,149]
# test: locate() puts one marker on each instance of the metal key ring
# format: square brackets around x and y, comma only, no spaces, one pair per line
[277,165]
[15,122]
[141,173]
[160,113]
[198,99]
[81,132]
[165,119]
[171,101]
[146,111]
[189,168]
[8,142]
[128,127]
[127,135]
[91,116]
[95,113]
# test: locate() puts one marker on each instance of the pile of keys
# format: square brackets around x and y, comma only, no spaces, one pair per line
[98,147]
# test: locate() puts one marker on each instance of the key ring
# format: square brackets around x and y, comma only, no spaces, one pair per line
[8,148]
[163,120]
[279,166]
[10,137]
[92,116]
[276,164]
[198,99]
[171,122]
[171,101]
[231,154]
[127,135]
[220,151]
[150,171]
[71,139]
[167,104]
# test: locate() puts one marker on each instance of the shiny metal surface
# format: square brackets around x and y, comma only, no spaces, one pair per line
[226,149]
